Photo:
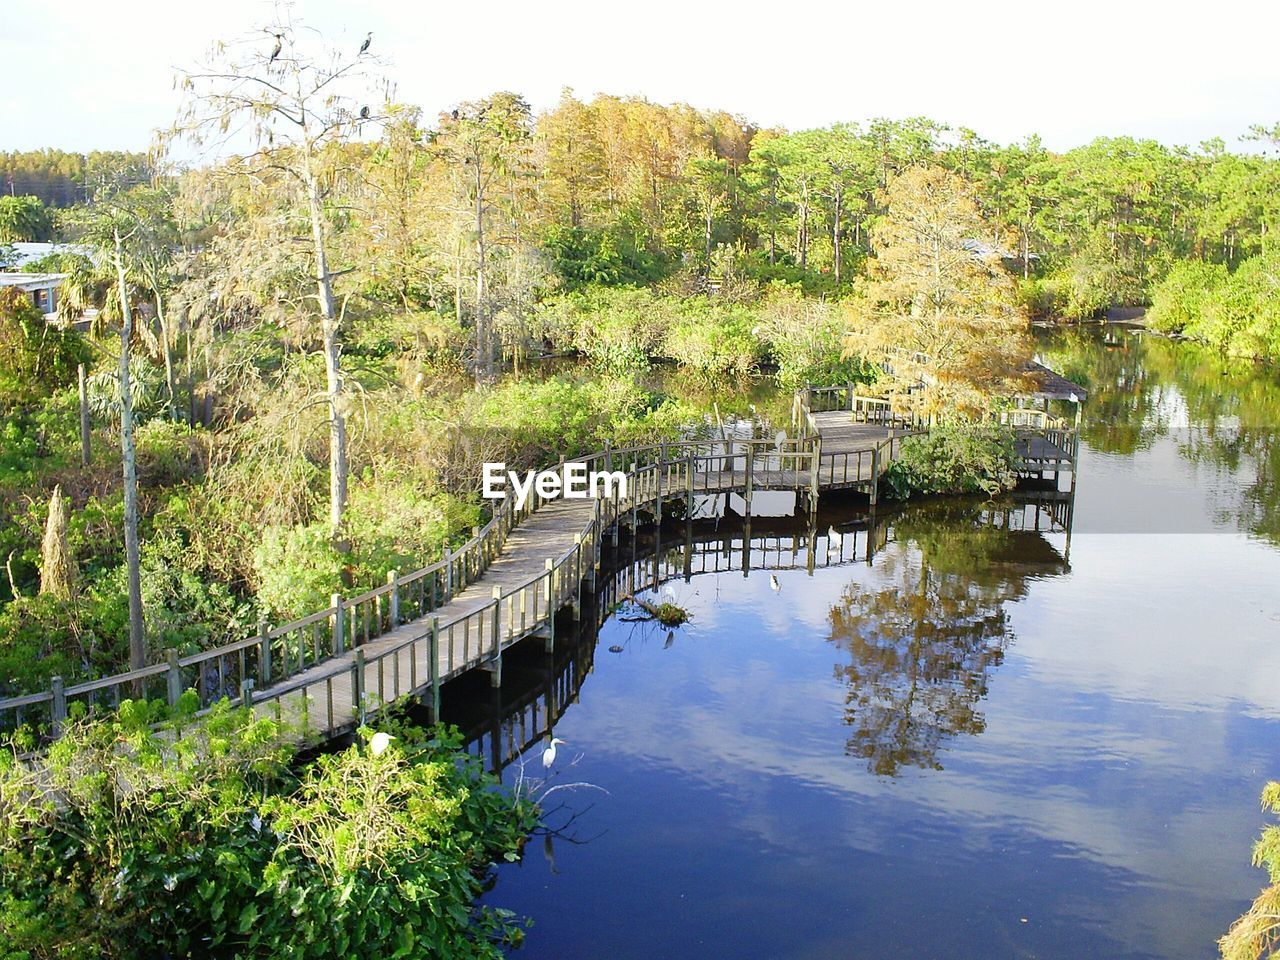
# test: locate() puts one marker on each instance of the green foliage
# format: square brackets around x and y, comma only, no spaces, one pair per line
[24,219]
[1239,313]
[714,339]
[805,338]
[607,258]
[146,390]
[954,458]
[1180,299]
[36,359]
[616,328]
[297,570]
[144,843]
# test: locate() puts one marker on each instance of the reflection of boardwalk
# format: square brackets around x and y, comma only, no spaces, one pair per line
[501,724]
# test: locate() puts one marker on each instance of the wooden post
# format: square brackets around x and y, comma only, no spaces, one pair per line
[393,581]
[58,709]
[357,686]
[435,669]
[264,652]
[875,473]
[750,459]
[246,694]
[339,622]
[174,677]
[86,453]
[447,591]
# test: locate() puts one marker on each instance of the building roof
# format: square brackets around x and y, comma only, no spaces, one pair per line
[25,252]
[1051,385]
[26,282]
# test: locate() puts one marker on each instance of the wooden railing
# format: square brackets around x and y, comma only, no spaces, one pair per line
[1032,418]
[287,664]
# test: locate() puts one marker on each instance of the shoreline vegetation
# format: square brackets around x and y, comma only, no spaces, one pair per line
[274,377]
[140,836]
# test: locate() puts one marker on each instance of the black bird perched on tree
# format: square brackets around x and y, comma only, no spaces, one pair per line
[367,40]
[279,46]
[364,113]
[454,114]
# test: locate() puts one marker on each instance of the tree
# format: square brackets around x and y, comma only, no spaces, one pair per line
[24,219]
[940,310]
[709,189]
[298,107]
[486,145]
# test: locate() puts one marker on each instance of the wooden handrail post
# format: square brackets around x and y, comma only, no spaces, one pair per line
[750,462]
[58,709]
[246,694]
[875,474]
[435,669]
[339,622]
[357,686]
[393,581]
[264,652]
[173,677]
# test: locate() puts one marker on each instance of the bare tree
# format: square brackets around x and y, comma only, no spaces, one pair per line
[283,102]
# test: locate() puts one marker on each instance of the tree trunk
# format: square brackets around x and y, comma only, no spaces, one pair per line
[128,457]
[835,239]
[332,365]
[484,353]
[170,379]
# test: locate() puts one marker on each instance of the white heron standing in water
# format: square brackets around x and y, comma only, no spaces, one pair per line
[549,754]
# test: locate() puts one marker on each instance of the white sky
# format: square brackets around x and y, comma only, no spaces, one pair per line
[84,74]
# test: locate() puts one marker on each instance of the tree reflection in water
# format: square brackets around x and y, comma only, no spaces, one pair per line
[923,642]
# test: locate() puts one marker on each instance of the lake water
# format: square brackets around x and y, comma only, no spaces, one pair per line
[1000,735]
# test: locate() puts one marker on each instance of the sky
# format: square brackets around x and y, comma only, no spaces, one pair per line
[88,74]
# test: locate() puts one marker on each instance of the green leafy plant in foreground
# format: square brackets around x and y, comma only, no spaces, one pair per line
[215,842]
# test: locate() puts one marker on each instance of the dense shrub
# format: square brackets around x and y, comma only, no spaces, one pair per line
[953,458]
[297,570]
[36,358]
[142,843]
[1237,312]
[713,338]
[805,338]
[1179,300]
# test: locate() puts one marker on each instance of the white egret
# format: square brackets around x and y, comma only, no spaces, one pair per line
[773,582]
[379,742]
[549,754]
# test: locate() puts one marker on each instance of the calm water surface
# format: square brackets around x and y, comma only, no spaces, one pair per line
[997,738]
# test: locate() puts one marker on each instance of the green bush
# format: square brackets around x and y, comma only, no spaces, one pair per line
[954,458]
[1179,300]
[142,843]
[36,358]
[1239,313]
[297,570]
[714,339]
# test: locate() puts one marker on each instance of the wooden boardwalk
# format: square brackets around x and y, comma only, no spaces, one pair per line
[326,672]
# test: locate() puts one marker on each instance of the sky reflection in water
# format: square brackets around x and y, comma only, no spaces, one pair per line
[967,748]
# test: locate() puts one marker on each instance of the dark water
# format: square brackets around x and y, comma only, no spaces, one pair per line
[996,738]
